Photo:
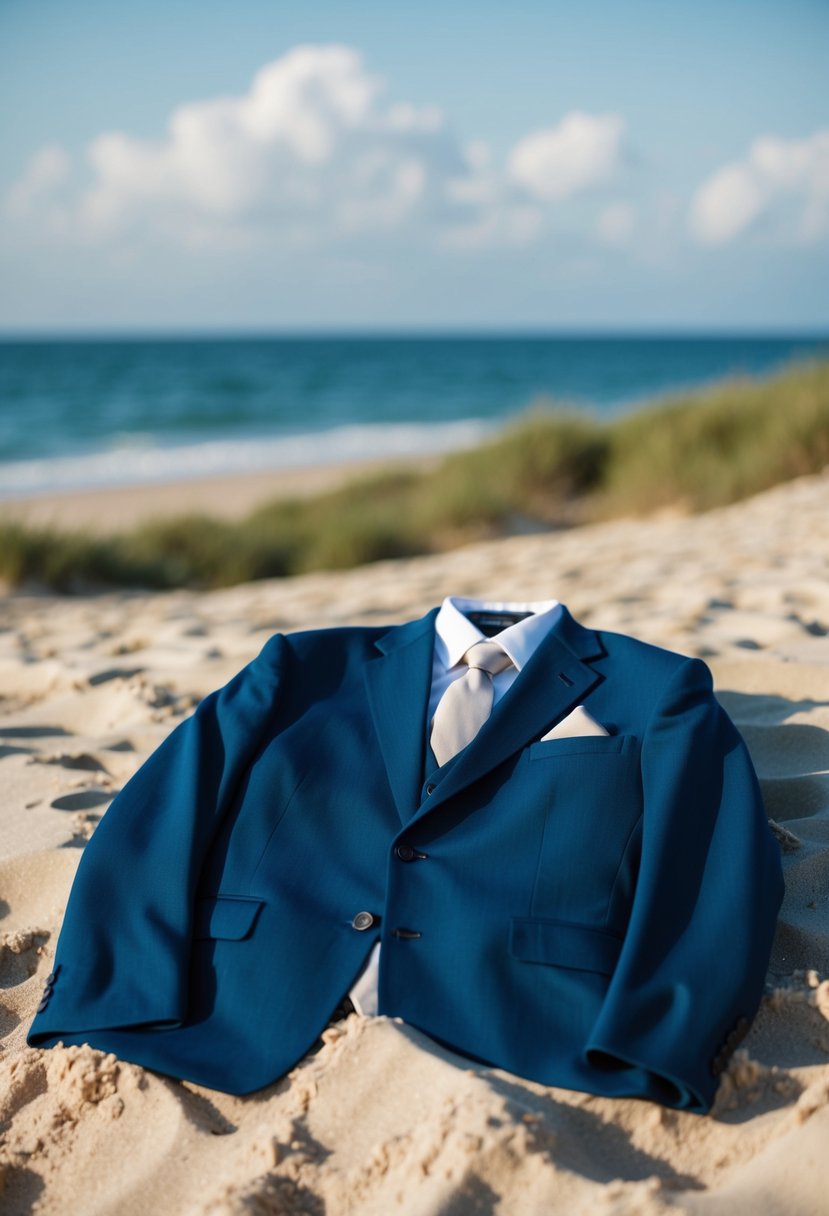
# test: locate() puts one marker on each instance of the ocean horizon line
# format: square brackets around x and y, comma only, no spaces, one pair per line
[575,333]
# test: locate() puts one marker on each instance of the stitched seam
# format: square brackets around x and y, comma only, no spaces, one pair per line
[639,819]
[534,887]
[285,809]
[569,747]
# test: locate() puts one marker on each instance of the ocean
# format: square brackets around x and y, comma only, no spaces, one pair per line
[78,413]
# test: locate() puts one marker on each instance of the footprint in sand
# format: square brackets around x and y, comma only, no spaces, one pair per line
[19,955]
[32,732]
[14,751]
[114,673]
[82,760]
[82,800]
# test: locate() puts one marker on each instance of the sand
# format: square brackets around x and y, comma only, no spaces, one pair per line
[381,1120]
[229,497]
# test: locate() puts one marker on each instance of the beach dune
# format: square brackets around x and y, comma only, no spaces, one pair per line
[381,1119]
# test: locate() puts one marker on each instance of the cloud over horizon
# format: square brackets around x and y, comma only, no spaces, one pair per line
[309,154]
[315,191]
[781,186]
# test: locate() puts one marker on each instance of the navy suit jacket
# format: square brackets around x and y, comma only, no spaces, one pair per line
[595,913]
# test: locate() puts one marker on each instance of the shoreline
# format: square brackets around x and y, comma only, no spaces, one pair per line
[226,496]
[551,471]
[231,496]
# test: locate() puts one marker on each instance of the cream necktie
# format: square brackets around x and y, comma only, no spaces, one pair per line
[467,702]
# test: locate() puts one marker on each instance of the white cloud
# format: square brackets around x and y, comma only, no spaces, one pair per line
[784,183]
[306,151]
[311,154]
[584,150]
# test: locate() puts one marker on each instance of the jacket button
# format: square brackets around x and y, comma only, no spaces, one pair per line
[363,920]
[405,852]
[431,787]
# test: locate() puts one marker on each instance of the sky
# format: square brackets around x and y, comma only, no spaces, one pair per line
[178,166]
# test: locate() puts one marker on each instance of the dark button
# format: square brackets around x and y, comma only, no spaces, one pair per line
[363,920]
[44,1002]
[406,853]
[406,933]
[431,787]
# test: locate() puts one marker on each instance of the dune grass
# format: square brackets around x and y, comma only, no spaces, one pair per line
[552,468]
[714,447]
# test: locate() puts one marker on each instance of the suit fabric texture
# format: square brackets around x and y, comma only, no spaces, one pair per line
[594,912]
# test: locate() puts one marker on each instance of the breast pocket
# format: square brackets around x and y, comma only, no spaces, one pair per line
[582,745]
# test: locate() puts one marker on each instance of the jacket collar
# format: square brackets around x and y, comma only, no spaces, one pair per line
[455,632]
[556,677]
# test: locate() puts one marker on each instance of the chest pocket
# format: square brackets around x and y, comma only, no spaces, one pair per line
[582,745]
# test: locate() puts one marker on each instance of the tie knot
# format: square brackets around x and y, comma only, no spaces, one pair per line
[487,656]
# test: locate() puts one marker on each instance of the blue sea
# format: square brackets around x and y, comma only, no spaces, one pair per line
[77,413]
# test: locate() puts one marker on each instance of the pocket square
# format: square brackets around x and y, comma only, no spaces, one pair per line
[577,722]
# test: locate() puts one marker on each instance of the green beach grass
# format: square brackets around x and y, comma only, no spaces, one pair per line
[552,468]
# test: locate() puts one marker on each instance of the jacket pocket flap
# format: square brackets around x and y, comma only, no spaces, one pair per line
[564,944]
[580,744]
[226,916]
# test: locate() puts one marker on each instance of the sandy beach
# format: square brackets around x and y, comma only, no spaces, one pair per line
[230,497]
[381,1120]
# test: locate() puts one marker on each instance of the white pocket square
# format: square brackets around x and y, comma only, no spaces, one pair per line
[577,722]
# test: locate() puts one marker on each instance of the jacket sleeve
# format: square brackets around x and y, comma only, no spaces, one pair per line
[122,956]
[690,975]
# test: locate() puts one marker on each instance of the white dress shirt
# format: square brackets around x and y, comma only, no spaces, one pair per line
[454,634]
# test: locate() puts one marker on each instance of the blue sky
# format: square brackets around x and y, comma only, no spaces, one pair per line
[184,166]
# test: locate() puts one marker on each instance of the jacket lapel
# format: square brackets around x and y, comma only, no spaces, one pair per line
[556,678]
[399,682]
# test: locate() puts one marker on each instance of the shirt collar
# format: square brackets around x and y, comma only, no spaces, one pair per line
[455,633]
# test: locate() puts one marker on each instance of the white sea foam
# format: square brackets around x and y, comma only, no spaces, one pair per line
[139,460]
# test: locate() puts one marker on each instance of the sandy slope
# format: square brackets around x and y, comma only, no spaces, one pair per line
[381,1120]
